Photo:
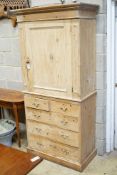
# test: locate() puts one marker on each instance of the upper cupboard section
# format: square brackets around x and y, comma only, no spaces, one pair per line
[59,57]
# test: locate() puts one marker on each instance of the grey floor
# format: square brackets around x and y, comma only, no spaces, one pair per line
[101,165]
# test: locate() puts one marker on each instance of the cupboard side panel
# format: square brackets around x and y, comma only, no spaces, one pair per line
[87,56]
[88,115]
[75,37]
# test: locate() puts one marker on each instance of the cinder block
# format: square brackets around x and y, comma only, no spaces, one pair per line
[101,43]
[101,24]
[41,2]
[2,58]
[12,59]
[5,44]
[13,73]
[7,30]
[3,83]
[100,131]
[100,114]
[2,73]
[101,98]
[101,147]
[15,46]
[48,2]
[100,62]
[99,80]
[16,85]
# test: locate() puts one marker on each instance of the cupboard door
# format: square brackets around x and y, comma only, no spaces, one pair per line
[22,37]
[49,58]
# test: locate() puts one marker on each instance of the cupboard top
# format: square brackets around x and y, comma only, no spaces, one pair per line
[75,10]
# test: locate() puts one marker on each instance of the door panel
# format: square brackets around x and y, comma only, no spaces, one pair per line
[49,55]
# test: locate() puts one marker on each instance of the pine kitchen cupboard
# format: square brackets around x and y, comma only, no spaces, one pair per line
[58,65]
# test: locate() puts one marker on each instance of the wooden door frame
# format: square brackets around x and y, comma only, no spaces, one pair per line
[110,102]
[115,124]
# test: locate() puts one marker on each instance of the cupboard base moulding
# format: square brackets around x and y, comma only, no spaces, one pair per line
[75,166]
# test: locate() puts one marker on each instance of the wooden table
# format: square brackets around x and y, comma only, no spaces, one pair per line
[13,100]
[15,162]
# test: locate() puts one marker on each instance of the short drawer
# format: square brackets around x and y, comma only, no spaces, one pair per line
[55,134]
[36,102]
[56,119]
[70,109]
[54,149]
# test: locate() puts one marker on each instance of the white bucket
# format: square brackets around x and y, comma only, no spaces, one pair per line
[7,130]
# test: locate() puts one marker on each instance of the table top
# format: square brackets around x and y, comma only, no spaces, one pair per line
[12,96]
[15,162]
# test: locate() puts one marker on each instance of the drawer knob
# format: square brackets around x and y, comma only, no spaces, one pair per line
[36,105]
[38,130]
[64,136]
[63,109]
[37,116]
[64,122]
[65,151]
[53,146]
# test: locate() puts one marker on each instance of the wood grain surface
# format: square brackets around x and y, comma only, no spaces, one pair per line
[15,162]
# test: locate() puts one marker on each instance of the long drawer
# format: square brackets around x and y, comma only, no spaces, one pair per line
[53,133]
[54,149]
[52,118]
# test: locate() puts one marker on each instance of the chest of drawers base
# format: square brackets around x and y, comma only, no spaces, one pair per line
[76,166]
[62,131]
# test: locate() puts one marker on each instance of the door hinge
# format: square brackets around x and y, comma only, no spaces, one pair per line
[115,84]
[72,89]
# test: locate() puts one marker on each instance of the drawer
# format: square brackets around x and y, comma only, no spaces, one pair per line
[36,102]
[70,109]
[56,119]
[55,134]
[54,149]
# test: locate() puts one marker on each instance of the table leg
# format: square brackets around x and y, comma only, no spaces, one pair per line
[0,113]
[15,111]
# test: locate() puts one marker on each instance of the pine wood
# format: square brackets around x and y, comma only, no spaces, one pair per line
[58,64]
[60,160]
[57,7]
[15,162]
[66,80]
[53,118]
[13,100]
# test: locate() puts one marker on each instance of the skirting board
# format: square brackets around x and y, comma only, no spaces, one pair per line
[76,166]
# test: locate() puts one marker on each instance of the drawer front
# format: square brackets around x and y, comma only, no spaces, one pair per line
[54,149]
[36,102]
[53,133]
[69,109]
[56,119]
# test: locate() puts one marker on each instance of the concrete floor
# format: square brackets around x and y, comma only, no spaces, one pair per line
[106,165]
[101,165]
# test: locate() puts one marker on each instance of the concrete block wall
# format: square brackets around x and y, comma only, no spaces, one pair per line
[10,66]
[101,80]
[10,63]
